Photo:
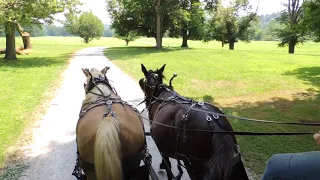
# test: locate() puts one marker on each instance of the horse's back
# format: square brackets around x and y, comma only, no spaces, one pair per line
[131,130]
[172,140]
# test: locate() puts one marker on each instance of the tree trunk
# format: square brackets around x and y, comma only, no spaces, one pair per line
[86,40]
[222,41]
[231,45]
[25,37]
[184,38]
[10,42]
[127,42]
[158,28]
[292,44]
[26,41]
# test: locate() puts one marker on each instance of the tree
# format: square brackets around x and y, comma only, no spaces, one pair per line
[265,19]
[131,36]
[294,28]
[146,18]
[270,32]
[226,24]
[189,21]
[87,26]
[312,20]
[28,12]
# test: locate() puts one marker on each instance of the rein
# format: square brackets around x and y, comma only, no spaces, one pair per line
[243,118]
[242,133]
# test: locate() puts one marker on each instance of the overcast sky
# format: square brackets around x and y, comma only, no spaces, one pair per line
[98,7]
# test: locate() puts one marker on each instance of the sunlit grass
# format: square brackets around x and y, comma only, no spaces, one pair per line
[257,80]
[25,82]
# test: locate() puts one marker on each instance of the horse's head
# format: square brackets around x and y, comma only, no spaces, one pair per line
[94,76]
[152,80]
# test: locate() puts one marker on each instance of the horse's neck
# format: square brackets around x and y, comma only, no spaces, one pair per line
[91,97]
[162,94]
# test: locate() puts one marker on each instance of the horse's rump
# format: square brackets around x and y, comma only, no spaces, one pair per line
[131,130]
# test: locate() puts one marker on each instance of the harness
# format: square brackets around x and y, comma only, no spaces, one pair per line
[128,162]
[181,132]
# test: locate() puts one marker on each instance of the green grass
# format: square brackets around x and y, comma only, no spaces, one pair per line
[257,80]
[25,82]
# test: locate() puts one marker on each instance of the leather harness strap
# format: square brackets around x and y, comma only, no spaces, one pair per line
[126,162]
[176,98]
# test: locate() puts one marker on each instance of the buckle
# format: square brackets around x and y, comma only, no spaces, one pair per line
[184,117]
[171,97]
[209,118]
[215,116]
[109,102]
[147,157]
[201,103]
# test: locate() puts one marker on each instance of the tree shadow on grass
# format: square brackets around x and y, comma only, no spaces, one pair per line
[300,107]
[277,52]
[304,107]
[32,62]
[127,53]
[205,98]
[310,75]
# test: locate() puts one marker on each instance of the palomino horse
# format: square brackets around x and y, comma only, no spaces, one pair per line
[176,130]
[110,133]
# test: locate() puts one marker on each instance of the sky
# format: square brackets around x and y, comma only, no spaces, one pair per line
[98,8]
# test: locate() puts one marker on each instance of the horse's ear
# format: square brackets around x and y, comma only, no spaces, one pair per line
[162,69]
[104,70]
[144,70]
[85,72]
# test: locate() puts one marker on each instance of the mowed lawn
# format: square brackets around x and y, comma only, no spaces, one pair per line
[25,83]
[257,80]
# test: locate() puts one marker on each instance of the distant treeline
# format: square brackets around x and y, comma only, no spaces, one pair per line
[51,30]
[263,31]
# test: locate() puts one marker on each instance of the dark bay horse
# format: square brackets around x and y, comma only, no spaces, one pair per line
[110,133]
[206,155]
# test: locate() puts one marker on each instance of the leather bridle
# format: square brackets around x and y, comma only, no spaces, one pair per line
[94,81]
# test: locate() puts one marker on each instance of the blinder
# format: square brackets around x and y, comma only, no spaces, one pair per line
[155,76]
[94,81]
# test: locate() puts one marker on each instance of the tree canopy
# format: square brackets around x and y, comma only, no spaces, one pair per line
[226,25]
[87,26]
[140,16]
[131,36]
[294,28]
[188,21]
[311,15]
[28,12]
